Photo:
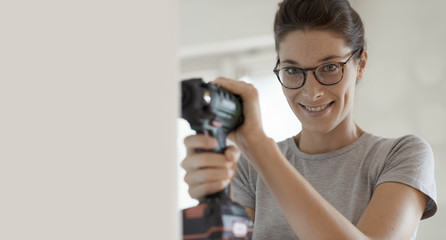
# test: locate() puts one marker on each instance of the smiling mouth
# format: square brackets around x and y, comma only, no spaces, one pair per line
[318,108]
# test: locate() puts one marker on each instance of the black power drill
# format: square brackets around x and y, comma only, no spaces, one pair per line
[212,110]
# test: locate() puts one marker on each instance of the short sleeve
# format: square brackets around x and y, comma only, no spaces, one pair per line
[411,162]
[244,184]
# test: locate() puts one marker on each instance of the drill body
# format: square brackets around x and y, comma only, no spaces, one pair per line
[212,110]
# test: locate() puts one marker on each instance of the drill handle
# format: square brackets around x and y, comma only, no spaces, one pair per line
[221,138]
[218,133]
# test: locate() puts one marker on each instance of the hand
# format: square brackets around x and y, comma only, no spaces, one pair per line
[208,172]
[252,129]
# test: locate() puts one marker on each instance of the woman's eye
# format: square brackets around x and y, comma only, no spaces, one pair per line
[330,67]
[291,70]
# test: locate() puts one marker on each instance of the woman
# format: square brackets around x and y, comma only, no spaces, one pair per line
[332,180]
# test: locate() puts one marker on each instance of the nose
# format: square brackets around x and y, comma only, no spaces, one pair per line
[312,89]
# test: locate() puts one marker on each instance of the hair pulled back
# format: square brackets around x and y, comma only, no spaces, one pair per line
[336,16]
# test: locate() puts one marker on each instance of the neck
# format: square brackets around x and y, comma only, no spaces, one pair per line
[323,142]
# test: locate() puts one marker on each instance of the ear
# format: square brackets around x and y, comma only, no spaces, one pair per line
[362,65]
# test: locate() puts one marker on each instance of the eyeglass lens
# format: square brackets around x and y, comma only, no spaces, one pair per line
[293,77]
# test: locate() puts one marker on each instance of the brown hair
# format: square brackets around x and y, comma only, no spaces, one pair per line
[336,16]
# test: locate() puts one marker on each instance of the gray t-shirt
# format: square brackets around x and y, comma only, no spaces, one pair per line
[346,178]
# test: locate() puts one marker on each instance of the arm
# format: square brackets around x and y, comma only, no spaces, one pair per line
[307,212]
[393,213]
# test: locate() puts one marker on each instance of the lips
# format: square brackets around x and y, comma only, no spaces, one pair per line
[319,109]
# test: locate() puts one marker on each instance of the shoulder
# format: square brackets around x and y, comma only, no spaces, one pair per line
[408,157]
[289,148]
[286,144]
[412,142]
[409,153]
[409,160]
[408,146]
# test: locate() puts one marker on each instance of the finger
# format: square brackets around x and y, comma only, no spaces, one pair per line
[206,160]
[232,153]
[202,176]
[244,89]
[200,191]
[199,141]
[250,96]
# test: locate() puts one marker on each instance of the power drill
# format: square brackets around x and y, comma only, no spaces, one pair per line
[212,110]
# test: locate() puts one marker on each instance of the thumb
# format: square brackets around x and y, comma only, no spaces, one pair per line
[232,153]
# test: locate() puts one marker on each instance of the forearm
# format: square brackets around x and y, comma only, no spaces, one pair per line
[308,213]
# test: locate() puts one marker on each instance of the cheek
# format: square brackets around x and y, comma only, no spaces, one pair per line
[291,97]
[348,94]
[288,95]
[344,92]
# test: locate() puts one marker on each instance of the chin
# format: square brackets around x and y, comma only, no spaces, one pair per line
[318,129]
[319,125]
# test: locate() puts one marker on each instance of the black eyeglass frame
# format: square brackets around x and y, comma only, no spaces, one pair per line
[313,69]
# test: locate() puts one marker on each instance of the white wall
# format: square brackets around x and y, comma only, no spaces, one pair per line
[88,108]
[207,21]
[405,82]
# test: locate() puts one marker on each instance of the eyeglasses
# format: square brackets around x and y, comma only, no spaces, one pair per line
[325,74]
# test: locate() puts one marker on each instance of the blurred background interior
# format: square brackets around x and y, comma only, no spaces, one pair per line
[403,91]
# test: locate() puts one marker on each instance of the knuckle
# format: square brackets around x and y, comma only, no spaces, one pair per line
[192,193]
[197,192]
[223,184]
[231,173]
[187,178]
[187,140]
[229,165]
[253,91]
[233,153]
[183,164]
[228,174]
[187,164]
[249,85]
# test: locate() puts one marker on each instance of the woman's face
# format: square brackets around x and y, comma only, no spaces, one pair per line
[320,108]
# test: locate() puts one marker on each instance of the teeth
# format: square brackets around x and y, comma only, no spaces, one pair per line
[316,109]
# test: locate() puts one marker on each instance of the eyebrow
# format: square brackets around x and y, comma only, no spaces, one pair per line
[320,60]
